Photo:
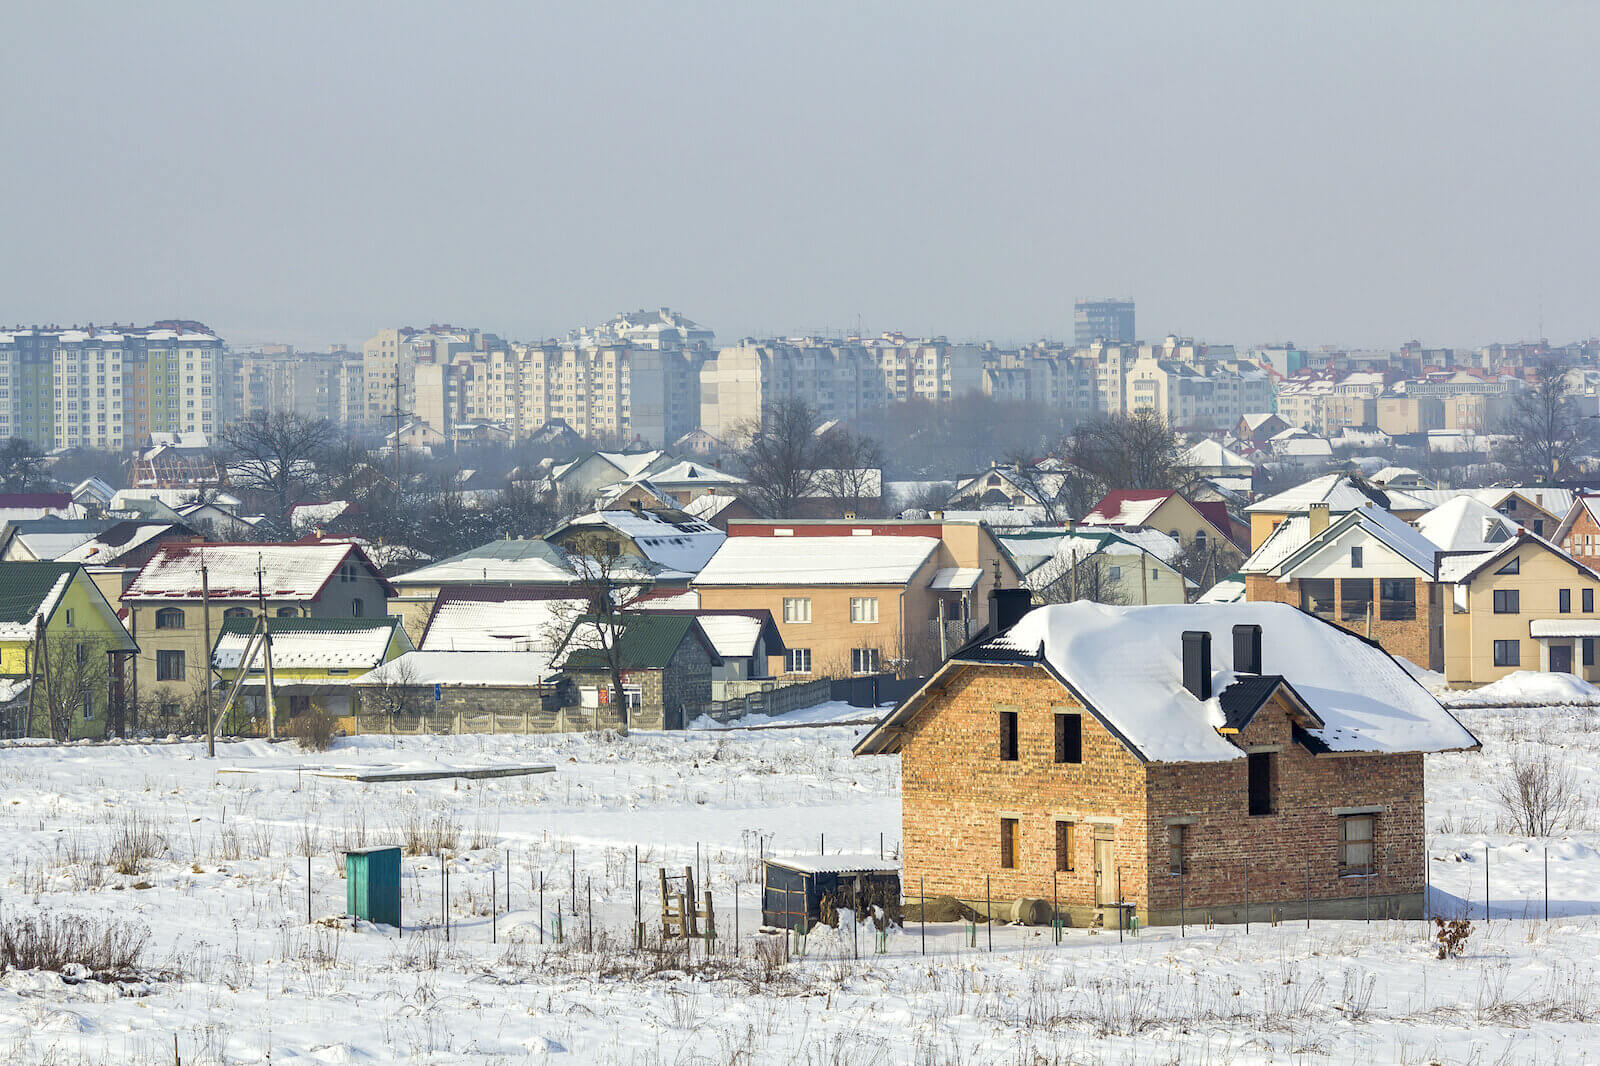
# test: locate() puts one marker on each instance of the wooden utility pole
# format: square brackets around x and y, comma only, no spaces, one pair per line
[44,669]
[33,676]
[205,616]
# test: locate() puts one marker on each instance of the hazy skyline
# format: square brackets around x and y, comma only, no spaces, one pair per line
[1358,174]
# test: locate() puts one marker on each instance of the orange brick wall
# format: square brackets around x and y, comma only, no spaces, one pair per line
[955,789]
[1305,790]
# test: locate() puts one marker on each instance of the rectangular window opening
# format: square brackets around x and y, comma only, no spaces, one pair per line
[1175,859]
[1064,834]
[1356,843]
[1069,738]
[1260,763]
[1008,736]
[1008,843]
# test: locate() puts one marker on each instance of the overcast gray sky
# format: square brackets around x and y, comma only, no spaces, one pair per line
[1335,173]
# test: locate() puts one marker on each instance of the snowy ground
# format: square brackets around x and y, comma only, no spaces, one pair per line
[236,974]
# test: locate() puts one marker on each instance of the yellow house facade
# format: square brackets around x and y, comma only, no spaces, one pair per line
[1525,606]
[54,621]
[313,662]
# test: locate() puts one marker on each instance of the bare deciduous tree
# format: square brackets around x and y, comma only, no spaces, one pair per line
[1071,576]
[1547,432]
[276,455]
[610,583]
[1540,796]
[781,455]
[398,692]
[1137,451]
[72,683]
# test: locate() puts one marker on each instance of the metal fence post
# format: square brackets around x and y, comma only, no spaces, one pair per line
[1247,895]
[1486,884]
[922,890]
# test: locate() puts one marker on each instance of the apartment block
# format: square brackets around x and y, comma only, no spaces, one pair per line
[108,388]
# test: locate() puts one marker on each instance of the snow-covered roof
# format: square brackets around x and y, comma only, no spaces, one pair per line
[1564,627]
[1466,523]
[1127,507]
[303,516]
[173,498]
[1291,543]
[709,505]
[1210,454]
[464,669]
[311,643]
[1340,492]
[512,624]
[684,545]
[114,543]
[1556,501]
[816,561]
[1016,516]
[733,635]
[689,472]
[1311,447]
[1390,473]
[1254,420]
[1458,568]
[506,562]
[1126,663]
[23,615]
[1229,590]
[833,864]
[953,578]
[291,571]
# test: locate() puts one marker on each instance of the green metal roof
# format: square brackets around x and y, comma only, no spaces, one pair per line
[648,642]
[23,587]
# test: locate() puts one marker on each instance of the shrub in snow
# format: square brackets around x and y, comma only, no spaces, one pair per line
[1540,796]
[74,945]
[1452,936]
[314,729]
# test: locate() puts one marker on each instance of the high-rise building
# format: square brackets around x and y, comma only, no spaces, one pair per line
[1102,320]
[108,389]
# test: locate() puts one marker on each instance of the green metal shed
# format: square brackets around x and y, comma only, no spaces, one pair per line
[372,885]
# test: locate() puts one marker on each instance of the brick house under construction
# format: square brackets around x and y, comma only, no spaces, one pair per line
[1180,759]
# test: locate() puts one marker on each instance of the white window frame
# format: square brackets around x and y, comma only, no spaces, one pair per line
[864,660]
[864,610]
[797,610]
[793,661]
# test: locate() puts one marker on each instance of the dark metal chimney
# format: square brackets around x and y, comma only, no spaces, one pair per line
[1197,664]
[1006,608]
[1247,649]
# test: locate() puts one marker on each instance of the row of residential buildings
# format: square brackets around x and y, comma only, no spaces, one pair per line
[652,377]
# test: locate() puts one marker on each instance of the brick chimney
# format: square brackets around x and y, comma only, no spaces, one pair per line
[1319,518]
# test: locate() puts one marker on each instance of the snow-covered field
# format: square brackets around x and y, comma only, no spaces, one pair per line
[234,972]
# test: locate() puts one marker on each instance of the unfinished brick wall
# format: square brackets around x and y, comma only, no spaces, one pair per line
[956,789]
[1306,790]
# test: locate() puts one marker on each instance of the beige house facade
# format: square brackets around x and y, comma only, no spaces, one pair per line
[1525,606]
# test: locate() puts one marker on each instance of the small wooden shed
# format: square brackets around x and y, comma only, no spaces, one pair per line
[796,888]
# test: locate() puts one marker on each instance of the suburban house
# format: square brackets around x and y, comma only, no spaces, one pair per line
[314,662]
[1126,566]
[1258,427]
[1340,492]
[1215,763]
[1175,515]
[59,638]
[860,597]
[114,555]
[186,590]
[514,562]
[685,481]
[586,476]
[1522,605]
[1208,458]
[670,540]
[1367,572]
[1536,508]
[1466,524]
[491,618]
[747,642]
[666,662]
